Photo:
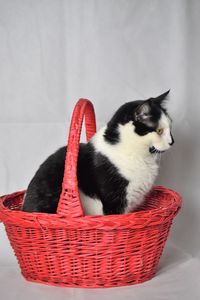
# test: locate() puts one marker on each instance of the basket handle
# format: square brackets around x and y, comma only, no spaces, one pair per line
[69,202]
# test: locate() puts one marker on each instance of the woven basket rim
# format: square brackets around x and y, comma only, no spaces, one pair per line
[138,219]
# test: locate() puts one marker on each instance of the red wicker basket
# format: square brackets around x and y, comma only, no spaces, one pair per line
[70,249]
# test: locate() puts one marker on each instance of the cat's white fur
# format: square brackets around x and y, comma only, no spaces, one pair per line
[91,206]
[133,160]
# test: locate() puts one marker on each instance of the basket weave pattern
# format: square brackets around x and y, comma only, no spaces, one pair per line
[70,249]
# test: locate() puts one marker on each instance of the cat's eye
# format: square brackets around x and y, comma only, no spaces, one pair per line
[160,131]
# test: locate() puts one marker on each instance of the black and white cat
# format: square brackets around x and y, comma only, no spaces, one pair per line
[116,168]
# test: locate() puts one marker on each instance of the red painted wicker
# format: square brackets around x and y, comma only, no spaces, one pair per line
[69,249]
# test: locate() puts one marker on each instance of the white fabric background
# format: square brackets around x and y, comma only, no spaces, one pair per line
[52,53]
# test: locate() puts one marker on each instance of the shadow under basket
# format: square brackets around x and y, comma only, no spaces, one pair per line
[70,249]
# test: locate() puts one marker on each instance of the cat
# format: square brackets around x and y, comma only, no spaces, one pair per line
[116,168]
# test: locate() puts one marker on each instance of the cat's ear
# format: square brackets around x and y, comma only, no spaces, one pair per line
[160,100]
[143,112]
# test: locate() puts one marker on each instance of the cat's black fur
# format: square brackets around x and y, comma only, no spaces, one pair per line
[126,113]
[44,189]
[97,176]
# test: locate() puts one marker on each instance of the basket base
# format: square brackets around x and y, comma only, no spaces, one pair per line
[91,285]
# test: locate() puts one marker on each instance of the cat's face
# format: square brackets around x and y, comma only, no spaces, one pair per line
[142,124]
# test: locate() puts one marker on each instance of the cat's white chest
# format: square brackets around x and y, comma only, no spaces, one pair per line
[141,175]
[133,162]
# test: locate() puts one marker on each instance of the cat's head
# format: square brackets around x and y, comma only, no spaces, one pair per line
[143,124]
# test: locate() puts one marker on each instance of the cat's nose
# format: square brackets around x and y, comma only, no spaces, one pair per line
[172,142]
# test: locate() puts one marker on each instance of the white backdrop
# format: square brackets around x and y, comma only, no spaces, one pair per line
[52,53]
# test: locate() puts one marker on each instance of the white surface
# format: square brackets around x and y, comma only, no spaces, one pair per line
[53,52]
